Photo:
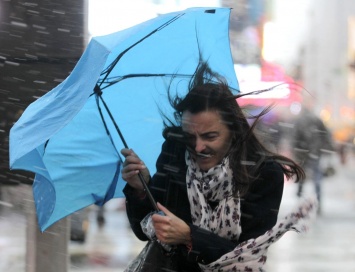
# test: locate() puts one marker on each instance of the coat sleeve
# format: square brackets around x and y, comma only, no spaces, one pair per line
[260,207]
[207,246]
[136,208]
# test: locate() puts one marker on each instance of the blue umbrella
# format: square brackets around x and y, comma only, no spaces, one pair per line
[71,137]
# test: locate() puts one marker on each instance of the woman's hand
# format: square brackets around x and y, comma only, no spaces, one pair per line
[170,229]
[131,167]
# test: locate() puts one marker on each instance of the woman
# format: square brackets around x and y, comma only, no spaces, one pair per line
[219,187]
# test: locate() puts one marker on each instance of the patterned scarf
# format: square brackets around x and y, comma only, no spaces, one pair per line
[224,220]
[215,185]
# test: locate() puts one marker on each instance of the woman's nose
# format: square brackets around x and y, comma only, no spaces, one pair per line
[200,146]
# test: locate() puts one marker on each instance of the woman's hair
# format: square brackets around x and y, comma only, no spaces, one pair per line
[208,92]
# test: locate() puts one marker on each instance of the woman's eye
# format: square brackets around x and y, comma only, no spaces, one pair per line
[210,136]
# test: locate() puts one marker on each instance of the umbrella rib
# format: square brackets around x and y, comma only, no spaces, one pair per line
[108,70]
[98,94]
[142,179]
[105,125]
[111,81]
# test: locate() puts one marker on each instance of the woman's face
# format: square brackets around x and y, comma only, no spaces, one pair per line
[208,137]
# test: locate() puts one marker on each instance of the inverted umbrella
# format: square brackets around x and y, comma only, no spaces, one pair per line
[71,137]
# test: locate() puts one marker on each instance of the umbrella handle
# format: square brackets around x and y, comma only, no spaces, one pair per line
[147,191]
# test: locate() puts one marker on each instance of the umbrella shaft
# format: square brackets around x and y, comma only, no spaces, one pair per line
[146,189]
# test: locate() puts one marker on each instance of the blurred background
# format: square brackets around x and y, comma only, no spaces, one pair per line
[304,47]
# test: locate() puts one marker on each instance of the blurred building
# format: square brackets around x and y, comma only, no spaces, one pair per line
[312,42]
[328,57]
[246,30]
[315,43]
[41,42]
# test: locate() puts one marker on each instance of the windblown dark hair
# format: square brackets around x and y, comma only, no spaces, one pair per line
[209,91]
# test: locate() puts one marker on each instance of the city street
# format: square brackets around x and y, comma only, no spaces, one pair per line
[80,80]
[327,247]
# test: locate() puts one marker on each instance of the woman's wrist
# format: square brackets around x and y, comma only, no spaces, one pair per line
[189,244]
[188,239]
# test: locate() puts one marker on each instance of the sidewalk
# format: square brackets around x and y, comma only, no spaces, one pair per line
[329,245]
[105,250]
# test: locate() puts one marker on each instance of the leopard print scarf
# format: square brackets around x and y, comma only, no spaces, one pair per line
[214,185]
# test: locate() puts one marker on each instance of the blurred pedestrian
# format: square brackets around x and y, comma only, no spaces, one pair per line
[311,142]
[219,188]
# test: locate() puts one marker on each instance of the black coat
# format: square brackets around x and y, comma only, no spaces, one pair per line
[259,206]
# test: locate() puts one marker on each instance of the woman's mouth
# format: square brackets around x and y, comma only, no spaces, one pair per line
[202,155]
[198,154]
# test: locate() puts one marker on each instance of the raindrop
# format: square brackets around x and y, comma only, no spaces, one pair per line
[43,32]
[21,49]
[64,30]
[16,36]
[29,4]
[15,181]
[287,125]
[40,44]
[16,18]
[13,99]
[58,11]
[6,204]
[20,24]
[39,27]
[12,63]
[18,79]
[31,56]
[248,163]
[40,82]
[32,11]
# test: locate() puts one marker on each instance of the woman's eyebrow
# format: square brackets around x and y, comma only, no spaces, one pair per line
[209,133]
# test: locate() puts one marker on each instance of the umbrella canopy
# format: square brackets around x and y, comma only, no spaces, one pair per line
[69,138]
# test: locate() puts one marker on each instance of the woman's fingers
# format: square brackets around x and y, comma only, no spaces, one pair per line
[126,174]
[131,167]
[164,210]
[126,151]
[132,161]
[130,156]
[169,228]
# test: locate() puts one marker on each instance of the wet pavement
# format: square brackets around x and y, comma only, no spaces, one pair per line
[107,248]
[328,246]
